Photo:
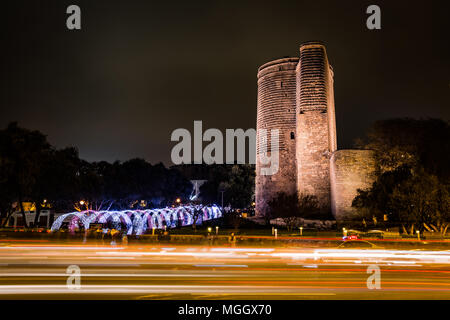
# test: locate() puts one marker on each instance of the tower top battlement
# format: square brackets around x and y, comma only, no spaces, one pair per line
[283,64]
[312,43]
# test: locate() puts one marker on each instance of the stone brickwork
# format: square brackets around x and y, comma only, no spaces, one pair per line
[296,96]
[350,170]
[276,110]
[315,123]
[313,157]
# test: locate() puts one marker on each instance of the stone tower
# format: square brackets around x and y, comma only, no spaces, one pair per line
[296,96]
[276,110]
[316,124]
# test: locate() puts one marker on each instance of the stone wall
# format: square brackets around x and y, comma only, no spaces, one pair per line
[276,110]
[349,170]
[313,157]
[316,129]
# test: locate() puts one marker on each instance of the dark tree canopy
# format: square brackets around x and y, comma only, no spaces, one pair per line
[413,184]
[410,142]
[32,170]
[236,182]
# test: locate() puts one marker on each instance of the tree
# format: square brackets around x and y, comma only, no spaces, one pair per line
[237,182]
[291,208]
[422,202]
[7,196]
[120,186]
[56,180]
[22,151]
[239,187]
[196,214]
[33,170]
[376,201]
[410,143]
[413,174]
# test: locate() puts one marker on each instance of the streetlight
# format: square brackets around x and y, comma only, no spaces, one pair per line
[178,200]
[221,190]
[344,231]
[301,231]
[82,203]
[217,230]
[418,234]
[276,233]
[209,229]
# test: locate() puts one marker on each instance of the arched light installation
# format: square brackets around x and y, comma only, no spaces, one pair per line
[139,221]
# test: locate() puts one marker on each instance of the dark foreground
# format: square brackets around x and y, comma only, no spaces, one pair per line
[38,270]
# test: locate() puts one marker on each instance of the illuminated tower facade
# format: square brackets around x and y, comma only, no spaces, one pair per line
[276,111]
[295,96]
[316,123]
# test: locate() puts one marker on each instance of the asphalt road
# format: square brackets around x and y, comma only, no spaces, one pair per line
[34,270]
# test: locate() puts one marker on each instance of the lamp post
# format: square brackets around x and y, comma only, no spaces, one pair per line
[222,190]
[344,231]
[222,198]
[217,230]
[209,229]
[82,203]
[418,234]
[85,231]
[276,233]
[301,231]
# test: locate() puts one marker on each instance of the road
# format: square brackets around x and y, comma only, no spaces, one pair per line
[38,270]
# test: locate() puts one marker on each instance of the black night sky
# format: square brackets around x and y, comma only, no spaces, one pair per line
[140,69]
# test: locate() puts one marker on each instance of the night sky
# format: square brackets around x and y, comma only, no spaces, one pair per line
[140,69]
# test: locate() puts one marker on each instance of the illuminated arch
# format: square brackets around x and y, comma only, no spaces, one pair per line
[75,215]
[139,221]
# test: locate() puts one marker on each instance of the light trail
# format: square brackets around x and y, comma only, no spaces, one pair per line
[139,270]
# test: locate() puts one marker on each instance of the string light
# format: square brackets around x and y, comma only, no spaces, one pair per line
[139,221]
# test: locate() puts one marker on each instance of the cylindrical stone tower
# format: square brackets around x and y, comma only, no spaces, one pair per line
[316,124]
[276,110]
